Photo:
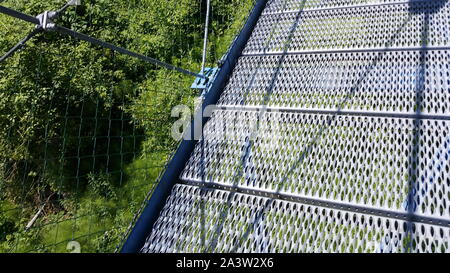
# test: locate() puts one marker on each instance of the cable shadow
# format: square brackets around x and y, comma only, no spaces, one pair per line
[413,196]
[325,127]
[418,101]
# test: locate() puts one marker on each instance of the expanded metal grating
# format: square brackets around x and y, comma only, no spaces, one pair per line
[367,161]
[331,135]
[363,81]
[198,220]
[277,6]
[368,27]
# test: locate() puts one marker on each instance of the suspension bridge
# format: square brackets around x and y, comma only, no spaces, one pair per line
[357,94]
[329,133]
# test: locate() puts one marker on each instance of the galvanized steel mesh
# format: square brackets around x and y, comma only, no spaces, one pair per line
[362,81]
[365,161]
[351,28]
[332,135]
[197,220]
[279,6]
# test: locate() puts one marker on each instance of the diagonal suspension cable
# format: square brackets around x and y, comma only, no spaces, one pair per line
[20,44]
[95,41]
[50,26]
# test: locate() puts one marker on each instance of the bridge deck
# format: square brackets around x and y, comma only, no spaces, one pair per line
[332,135]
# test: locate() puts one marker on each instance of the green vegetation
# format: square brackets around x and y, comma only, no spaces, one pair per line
[85,132]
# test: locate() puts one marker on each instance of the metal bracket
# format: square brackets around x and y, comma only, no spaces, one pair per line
[202,83]
[45,20]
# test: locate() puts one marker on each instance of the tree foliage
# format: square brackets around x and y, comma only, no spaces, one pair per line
[59,94]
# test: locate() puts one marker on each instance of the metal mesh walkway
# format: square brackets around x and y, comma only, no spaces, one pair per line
[332,135]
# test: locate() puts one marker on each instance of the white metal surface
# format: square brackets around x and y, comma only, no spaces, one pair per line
[367,27]
[394,82]
[333,135]
[365,161]
[280,6]
[196,220]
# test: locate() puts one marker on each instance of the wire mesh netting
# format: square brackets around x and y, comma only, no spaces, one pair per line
[84,131]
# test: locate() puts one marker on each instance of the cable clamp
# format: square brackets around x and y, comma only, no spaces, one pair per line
[45,20]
